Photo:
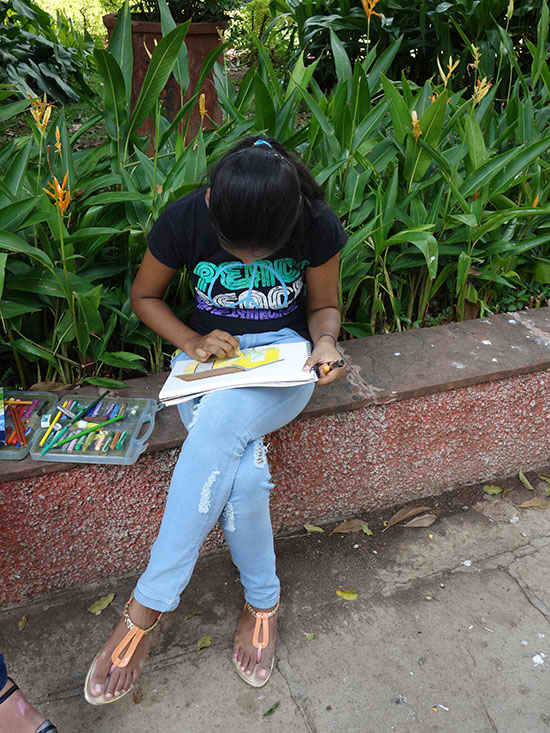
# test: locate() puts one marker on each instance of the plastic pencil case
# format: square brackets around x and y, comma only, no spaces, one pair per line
[46,404]
[139,414]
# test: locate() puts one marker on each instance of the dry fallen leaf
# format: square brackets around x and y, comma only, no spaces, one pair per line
[22,623]
[537,502]
[424,520]
[490,489]
[137,695]
[101,604]
[348,595]
[312,528]
[49,387]
[406,513]
[366,530]
[310,637]
[204,642]
[525,481]
[350,525]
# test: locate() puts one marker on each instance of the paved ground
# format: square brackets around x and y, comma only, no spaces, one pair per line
[449,634]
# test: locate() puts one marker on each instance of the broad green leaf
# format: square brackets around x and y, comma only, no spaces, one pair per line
[159,69]
[424,241]
[475,142]
[123,360]
[13,216]
[417,161]
[11,309]
[88,306]
[181,67]
[17,169]
[506,166]
[383,63]
[541,273]
[341,59]
[114,94]
[3,260]
[400,115]
[300,75]
[464,262]
[13,109]
[264,111]
[13,243]
[542,38]
[120,46]
[492,490]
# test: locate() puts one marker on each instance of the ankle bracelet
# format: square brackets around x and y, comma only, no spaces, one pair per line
[262,614]
[130,624]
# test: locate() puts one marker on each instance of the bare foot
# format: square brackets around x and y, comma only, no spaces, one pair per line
[245,653]
[17,715]
[121,679]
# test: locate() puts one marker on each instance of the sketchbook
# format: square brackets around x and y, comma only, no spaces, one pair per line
[274,365]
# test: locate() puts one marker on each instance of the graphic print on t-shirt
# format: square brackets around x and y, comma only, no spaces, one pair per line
[261,290]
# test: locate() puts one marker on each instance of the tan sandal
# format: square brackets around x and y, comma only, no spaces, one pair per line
[121,656]
[262,625]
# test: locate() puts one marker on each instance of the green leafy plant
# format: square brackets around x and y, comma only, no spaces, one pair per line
[40,56]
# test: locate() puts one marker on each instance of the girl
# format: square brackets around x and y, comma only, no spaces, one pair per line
[249,241]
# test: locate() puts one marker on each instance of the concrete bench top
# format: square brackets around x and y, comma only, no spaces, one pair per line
[382,369]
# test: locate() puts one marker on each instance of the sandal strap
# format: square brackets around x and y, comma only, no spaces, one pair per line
[124,651]
[261,624]
[10,692]
[46,727]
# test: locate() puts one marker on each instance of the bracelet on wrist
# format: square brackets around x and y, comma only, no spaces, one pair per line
[330,336]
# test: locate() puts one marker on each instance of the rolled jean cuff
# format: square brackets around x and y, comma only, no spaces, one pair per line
[262,601]
[154,603]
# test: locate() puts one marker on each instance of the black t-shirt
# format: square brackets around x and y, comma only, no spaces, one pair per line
[264,296]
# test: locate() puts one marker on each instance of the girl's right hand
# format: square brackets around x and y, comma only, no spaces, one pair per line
[215,343]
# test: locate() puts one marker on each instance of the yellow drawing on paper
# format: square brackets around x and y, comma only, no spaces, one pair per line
[246,359]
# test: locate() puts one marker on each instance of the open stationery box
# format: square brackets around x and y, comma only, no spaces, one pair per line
[112,430]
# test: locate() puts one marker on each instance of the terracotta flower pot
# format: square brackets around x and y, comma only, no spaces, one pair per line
[201,38]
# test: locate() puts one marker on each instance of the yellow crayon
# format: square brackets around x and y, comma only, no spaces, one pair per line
[49,430]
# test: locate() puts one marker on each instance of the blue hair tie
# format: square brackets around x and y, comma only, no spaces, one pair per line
[261,141]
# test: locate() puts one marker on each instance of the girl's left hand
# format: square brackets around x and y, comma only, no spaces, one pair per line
[325,353]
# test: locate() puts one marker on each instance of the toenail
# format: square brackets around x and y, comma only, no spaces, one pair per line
[117,693]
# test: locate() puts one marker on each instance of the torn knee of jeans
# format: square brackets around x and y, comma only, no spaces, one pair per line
[260,453]
[206,492]
[228,518]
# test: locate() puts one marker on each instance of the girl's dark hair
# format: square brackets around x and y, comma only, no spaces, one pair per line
[261,195]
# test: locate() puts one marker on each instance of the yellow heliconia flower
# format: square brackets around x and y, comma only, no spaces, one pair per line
[481,88]
[41,111]
[59,193]
[368,7]
[477,56]
[57,141]
[202,105]
[450,67]
[416,125]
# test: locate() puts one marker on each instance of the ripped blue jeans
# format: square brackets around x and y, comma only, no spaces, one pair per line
[223,470]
